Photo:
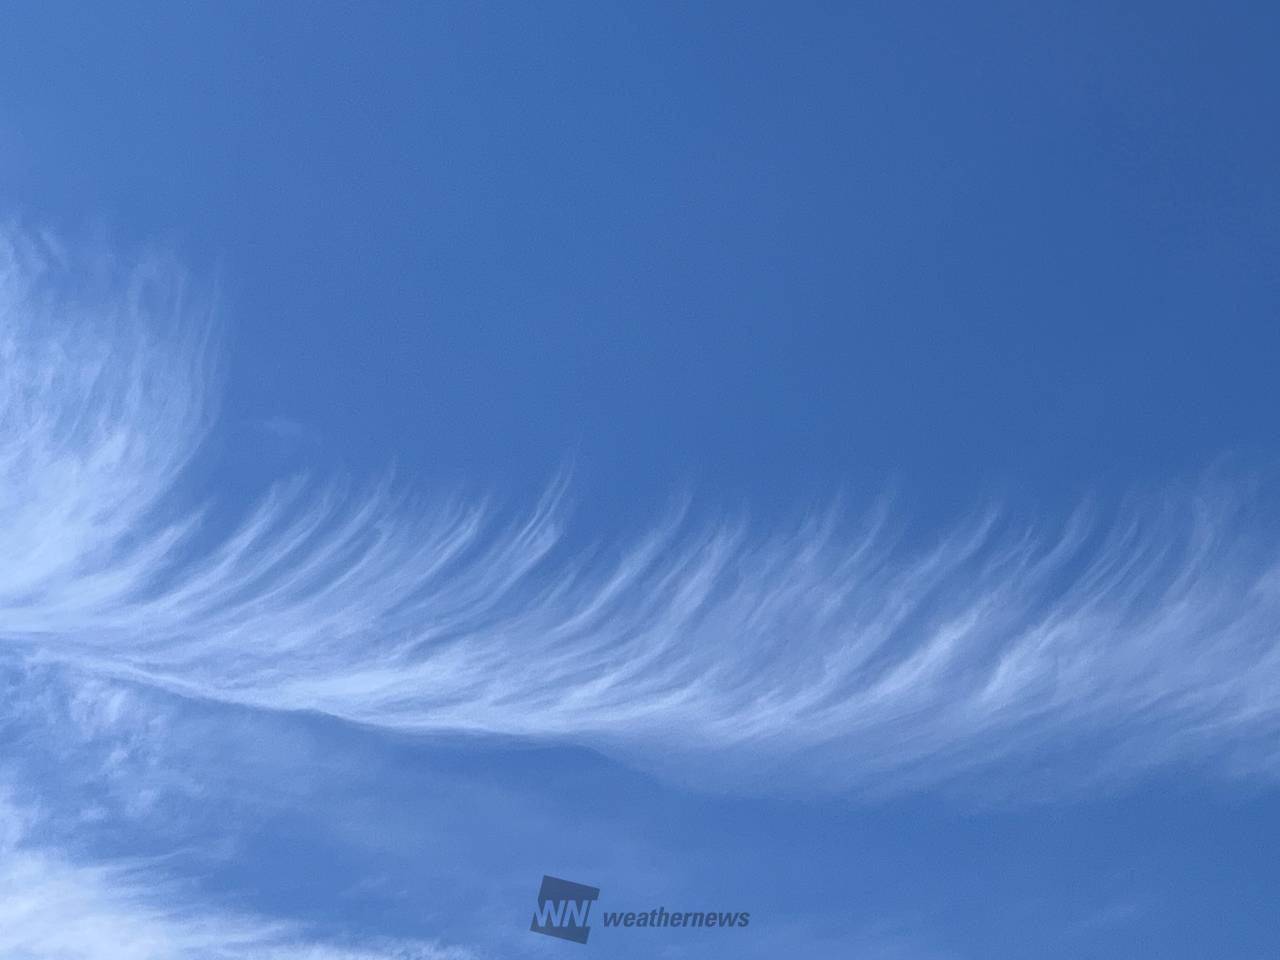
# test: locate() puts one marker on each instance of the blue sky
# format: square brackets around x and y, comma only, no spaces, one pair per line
[817,461]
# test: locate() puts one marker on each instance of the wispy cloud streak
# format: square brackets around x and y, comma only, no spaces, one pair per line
[831,648]
[54,908]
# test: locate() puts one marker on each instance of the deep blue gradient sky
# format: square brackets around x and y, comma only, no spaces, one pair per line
[766,249]
[763,255]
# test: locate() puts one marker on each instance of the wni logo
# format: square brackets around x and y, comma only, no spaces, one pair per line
[563,907]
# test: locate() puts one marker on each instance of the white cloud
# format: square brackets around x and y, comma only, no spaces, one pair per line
[830,650]
[52,908]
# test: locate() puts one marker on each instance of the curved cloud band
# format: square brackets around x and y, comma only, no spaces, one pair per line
[833,649]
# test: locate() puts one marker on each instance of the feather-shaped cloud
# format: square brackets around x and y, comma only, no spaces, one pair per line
[831,649]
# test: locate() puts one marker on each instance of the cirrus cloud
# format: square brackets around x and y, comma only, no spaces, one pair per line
[829,649]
